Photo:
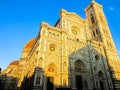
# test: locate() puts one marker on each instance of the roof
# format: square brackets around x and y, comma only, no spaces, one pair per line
[15,63]
[29,45]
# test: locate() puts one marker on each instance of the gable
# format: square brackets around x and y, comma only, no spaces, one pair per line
[74,17]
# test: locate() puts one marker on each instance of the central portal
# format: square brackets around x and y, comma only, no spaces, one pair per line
[101,85]
[79,84]
[50,81]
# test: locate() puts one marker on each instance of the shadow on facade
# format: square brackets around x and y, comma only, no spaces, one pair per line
[36,82]
[116,82]
[88,70]
[8,82]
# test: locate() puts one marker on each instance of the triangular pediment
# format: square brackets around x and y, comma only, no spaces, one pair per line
[72,16]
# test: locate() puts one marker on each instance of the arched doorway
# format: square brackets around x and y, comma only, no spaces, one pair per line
[79,84]
[101,80]
[51,69]
[79,68]
[101,85]
[50,82]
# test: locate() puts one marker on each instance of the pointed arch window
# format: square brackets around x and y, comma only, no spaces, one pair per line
[92,19]
[38,80]
[94,33]
[97,31]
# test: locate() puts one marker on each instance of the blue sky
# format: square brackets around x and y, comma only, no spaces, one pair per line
[20,21]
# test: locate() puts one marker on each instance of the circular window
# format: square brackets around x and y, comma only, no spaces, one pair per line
[74,32]
[96,57]
[52,48]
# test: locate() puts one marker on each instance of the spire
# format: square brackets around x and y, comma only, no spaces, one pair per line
[93,0]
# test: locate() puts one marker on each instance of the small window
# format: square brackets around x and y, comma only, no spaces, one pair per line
[49,32]
[64,64]
[77,40]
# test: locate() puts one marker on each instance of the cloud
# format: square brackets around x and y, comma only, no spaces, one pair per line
[111,8]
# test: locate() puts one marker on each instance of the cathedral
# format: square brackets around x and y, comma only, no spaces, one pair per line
[74,54]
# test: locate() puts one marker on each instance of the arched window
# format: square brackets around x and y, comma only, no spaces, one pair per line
[92,19]
[94,33]
[101,80]
[97,31]
[38,80]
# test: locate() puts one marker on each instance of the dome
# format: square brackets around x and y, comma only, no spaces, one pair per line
[29,45]
[15,63]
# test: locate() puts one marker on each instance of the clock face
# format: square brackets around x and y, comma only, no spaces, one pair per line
[74,32]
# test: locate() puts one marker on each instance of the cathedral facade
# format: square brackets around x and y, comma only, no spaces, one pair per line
[75,54]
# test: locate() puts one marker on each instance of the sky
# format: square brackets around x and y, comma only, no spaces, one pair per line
[20,21]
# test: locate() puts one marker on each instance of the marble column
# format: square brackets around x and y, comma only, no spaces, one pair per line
[73,79]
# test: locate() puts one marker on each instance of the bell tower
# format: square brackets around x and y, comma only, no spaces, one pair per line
[100,30]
